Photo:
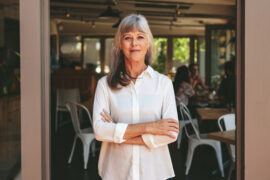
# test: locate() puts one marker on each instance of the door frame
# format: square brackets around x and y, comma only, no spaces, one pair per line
[35,92]
[240,89]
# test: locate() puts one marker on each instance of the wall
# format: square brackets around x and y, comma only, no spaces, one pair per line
[257,90]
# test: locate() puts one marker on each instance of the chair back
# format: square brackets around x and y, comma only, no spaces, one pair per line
[229,122]
[75,109]
[186,115]
[66,95]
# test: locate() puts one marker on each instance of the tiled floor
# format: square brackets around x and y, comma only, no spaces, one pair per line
[203,165]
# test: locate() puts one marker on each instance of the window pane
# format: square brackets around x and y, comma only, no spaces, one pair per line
[91,48]
[10,119]
[70,50]
[160,57]
[222,50]
[108,45]
[180,52]
[202,57]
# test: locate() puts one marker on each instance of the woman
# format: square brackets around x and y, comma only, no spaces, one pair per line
[195,79]
[183,90]
[134,112]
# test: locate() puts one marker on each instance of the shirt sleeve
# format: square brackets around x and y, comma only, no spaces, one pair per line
[168,111]
[105,131]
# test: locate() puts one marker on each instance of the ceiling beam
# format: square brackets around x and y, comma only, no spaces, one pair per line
[216,2]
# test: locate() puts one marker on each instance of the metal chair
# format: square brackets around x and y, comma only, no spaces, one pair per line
[228,120]
[196,139]
[86,135]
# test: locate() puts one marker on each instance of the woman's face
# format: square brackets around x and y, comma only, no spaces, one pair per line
[134,45]
[195,70]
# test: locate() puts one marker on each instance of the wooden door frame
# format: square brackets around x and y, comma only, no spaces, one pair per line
[240,89]
[35,88]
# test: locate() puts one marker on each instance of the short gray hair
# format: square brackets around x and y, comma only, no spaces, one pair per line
[117,65]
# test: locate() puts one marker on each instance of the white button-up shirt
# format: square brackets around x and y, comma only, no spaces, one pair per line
[151,98]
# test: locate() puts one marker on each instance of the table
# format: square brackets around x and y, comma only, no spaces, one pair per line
[227,137]
[211,113]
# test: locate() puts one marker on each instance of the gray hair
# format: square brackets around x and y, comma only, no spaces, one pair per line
[117,65]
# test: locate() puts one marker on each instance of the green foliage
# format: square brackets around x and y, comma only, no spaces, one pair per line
[181,49]
[159,60]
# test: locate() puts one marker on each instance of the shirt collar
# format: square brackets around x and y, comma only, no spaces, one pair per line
[149,70]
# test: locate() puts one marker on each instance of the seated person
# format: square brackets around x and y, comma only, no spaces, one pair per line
[183,90]
[226,90]
[194,78]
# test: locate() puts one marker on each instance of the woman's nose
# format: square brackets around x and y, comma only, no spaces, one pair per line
[134,41]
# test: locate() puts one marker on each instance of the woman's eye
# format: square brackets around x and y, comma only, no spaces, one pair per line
[140,37]
[127,38]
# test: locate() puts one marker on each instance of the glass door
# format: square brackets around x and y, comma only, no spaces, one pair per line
[10,119]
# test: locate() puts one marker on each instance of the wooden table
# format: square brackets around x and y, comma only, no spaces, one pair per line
[211,113]
[227,137]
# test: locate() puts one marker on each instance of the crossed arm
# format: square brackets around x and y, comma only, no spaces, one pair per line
[134,132]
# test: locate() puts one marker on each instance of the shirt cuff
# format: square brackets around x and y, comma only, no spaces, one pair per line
[119,132]
[149,141]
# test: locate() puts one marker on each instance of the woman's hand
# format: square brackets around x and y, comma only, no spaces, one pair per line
[163,127]
[106,116]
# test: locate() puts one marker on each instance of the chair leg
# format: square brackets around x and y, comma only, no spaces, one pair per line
[86,147]
[178,141]
[189,157]
[230,171]
[219,158]
[72,150]
[180,134]
[93,147]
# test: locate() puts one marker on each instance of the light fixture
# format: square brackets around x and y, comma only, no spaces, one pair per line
[93,25]
[117,24]
[200,21]
[83,21]
[108,13]
[67,14]
[115,2]
[60,27]
[178,12]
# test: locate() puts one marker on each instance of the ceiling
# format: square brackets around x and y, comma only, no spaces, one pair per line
[165,17]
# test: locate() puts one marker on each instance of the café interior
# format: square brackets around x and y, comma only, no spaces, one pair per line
[197,34]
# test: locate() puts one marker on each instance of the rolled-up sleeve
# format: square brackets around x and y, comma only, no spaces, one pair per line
[169,111]
[105,131]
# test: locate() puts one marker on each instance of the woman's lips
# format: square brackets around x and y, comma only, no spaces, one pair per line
[134,50]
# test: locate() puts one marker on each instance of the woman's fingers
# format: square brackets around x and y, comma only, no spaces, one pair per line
[107,114]
[105,118]
[170,135]
[174,129]
[166,133]
[175,126]
[168,125]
